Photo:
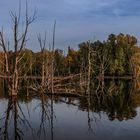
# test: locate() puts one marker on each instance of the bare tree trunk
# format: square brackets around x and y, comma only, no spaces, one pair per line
[52,65]
[42,44]
[89,69]
[43,73]
[6,62]
[15,83]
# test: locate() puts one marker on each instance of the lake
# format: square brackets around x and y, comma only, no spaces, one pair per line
[112,113]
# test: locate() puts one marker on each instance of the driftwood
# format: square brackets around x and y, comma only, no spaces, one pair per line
[69,85]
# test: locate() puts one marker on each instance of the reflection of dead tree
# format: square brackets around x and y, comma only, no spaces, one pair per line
[102,93]
[89,118]
[101,89]
[70,102]
[90,114]
[4,129]
[52,119]
[45,116]
[14,111]
[88,108]
[116,99]
[13,69]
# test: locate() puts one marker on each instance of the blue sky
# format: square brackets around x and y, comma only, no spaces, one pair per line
[77,20]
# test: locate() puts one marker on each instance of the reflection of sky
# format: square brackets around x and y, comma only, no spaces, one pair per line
[71,123]
[78,20]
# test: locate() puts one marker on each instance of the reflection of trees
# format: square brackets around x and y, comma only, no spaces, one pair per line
[46,117]
[14,123]
[52,116]
[13,116]
[89,114]
[120,104]
[87,103]
[116,98]
[113,97]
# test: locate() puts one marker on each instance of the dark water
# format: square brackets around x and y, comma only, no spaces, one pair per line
[113,114]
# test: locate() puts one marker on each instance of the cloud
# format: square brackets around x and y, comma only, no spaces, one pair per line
[77,20]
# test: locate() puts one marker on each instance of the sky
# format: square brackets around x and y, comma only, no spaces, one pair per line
[76,20]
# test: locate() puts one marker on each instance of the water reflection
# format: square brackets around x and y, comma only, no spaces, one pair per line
[36,117]
[113,97]
[14,120]
[45,115]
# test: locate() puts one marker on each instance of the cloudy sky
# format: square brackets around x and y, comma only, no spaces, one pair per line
[77,20]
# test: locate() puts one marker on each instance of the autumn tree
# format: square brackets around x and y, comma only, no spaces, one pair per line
[72,61]
[59,63]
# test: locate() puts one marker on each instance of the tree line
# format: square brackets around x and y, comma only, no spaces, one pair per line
[117,56]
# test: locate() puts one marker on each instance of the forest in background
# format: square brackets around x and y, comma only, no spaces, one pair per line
[117,56]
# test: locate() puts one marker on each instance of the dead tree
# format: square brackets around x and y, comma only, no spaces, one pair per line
[103,56]
[12,74]
[42,44]
[89,68]
[47,69]
[52,63]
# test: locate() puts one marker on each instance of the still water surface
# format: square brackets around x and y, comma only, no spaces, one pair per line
[71,118]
